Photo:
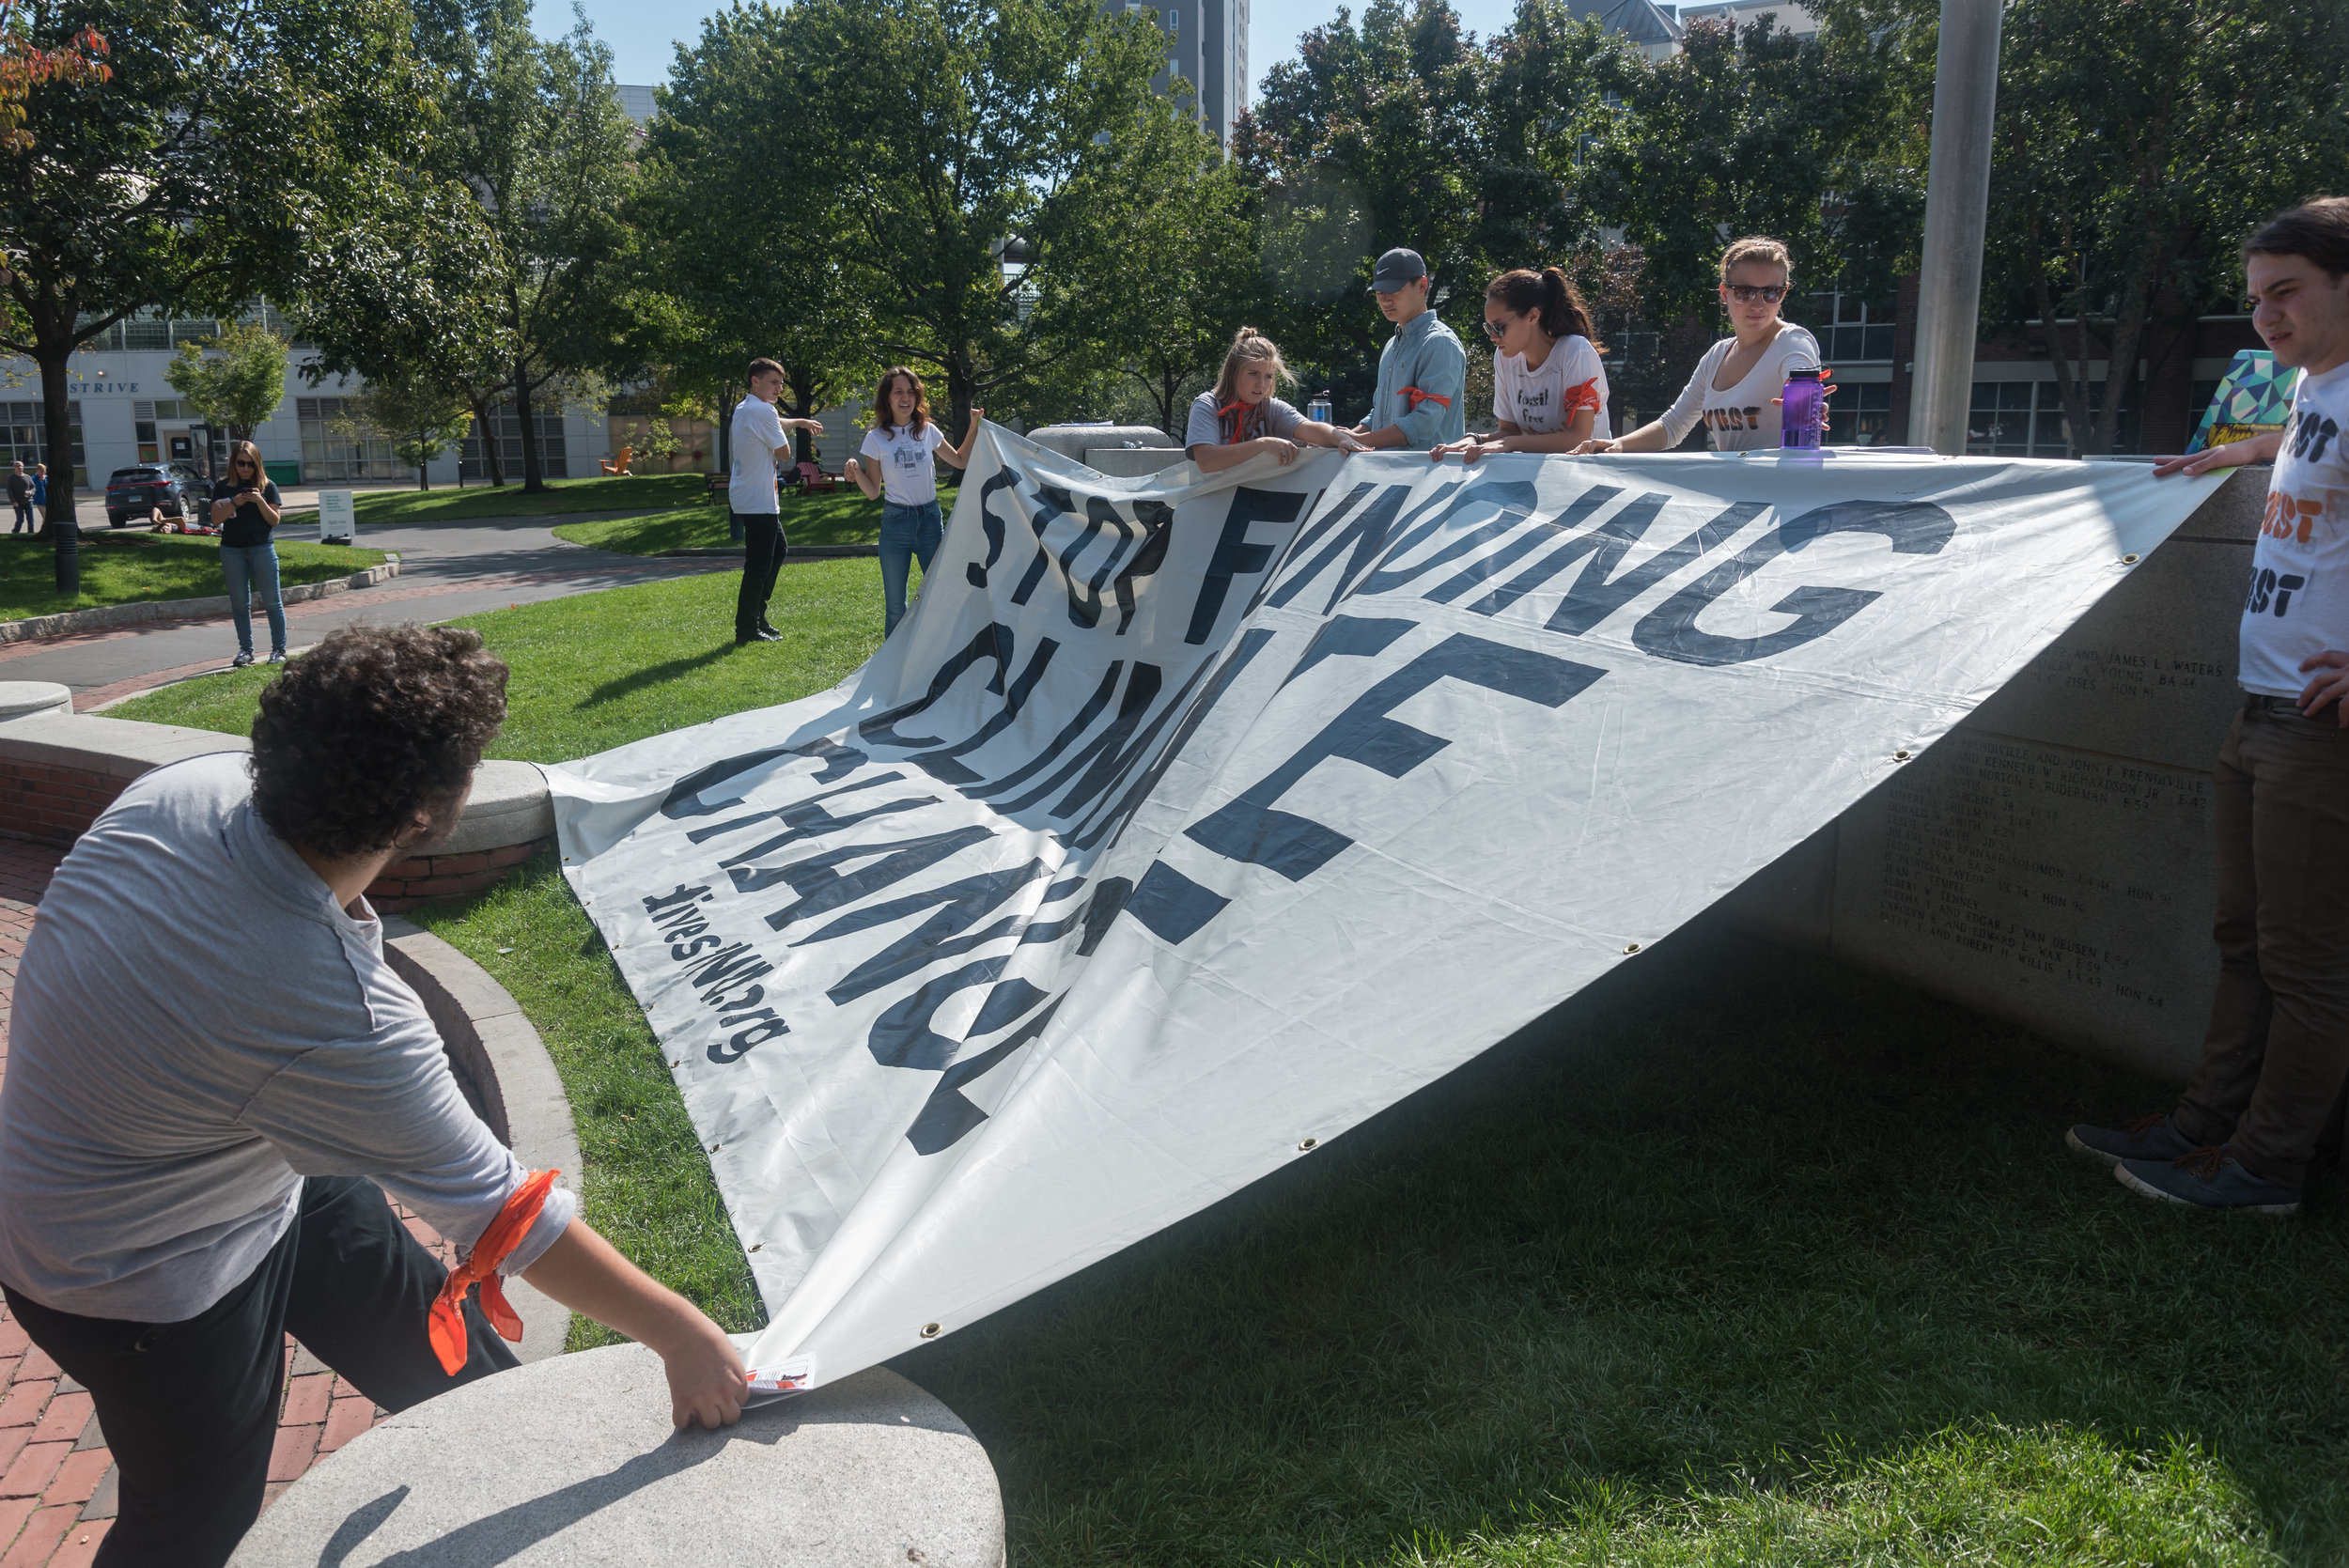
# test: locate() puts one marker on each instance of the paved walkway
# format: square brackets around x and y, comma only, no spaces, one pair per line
[56,1478]
[445,570]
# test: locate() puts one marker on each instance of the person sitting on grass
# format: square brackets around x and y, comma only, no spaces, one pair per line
[899,449]
[1241,419]
[2276,1053]
[196,1139]
[1549,391]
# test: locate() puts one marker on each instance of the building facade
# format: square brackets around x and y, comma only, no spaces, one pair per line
[1207,47]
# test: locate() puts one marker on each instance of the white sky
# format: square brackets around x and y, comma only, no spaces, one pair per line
[642,37]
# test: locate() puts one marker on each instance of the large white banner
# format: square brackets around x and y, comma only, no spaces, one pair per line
[1185,823]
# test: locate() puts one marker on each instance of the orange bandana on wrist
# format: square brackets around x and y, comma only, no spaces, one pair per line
[446,1323]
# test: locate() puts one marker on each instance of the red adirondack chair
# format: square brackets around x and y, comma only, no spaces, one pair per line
[814,481]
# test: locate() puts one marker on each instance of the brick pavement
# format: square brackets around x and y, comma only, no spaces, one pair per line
[57,1479]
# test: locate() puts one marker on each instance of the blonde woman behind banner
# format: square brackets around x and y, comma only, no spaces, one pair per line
[1241,419]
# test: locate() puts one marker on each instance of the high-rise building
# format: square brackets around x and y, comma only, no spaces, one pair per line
[1206,45]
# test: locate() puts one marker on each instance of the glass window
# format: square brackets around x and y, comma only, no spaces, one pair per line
[193,329]
[24,437]
[1861,414]
[507,430]
[146,332]
[328,453]
[1175,20]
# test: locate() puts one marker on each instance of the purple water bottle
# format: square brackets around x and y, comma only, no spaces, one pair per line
[1800,411]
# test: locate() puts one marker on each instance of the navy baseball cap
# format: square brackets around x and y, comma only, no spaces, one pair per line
[1396,268]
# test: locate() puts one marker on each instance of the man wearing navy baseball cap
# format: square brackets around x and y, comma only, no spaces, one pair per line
[1422,371]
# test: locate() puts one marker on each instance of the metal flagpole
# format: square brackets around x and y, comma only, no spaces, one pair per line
[1958,209]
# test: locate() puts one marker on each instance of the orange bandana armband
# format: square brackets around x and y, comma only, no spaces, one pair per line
[1412,398]
[446,1323]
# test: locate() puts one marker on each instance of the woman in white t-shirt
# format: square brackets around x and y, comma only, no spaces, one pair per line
[1737,384]
[1549,391]
[1241,419]
[901,474]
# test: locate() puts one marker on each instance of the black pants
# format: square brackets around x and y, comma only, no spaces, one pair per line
[23,517]
[762,559]
[190,1409]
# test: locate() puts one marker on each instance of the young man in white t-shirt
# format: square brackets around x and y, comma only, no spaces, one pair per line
[2276,1057]
[761,440]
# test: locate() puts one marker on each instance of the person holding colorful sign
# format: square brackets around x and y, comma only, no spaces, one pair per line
[1423,371]
[2268,1095]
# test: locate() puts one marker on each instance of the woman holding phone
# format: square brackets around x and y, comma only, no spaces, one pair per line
[1241,419]
[898,472]
[245,510]
[1549,391]
[1736,386]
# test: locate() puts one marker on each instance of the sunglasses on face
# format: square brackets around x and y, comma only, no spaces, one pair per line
[1498,330]
[1747,293]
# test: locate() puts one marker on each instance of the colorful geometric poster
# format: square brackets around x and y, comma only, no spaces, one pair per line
[2252,398]
[1187,821]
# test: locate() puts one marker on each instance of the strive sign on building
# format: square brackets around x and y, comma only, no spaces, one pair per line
[1189,821]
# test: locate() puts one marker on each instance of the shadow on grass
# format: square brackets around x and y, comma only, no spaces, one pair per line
[654,675]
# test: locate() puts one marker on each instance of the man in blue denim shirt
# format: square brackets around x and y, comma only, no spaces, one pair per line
[1422,370]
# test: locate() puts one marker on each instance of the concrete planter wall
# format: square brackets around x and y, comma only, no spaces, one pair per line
[58,770]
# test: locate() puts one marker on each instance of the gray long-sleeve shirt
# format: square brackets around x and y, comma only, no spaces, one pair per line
[197,1027]
[1426,354]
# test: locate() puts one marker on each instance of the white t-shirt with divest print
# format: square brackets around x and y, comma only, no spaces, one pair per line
[2298,602]
[909,476]
[1541,401]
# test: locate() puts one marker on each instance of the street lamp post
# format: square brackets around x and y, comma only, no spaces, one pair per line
[1957,210]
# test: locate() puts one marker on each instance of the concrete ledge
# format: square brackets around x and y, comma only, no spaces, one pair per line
[572,1460]
[22,699]
[180,609]
[511,1082]
[58,770]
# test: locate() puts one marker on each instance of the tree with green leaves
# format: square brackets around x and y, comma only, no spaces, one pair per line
[1157,296]
[2136,144]
[199,174]
[534,130]
[236,379]
[1355,147]
[1754,131]
[420,419]
[742,234]
[955,128]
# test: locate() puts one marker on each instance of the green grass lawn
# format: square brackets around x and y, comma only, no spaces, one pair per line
[598,669]
[612,493]
[842,518]
[1742,1258]
[132,566]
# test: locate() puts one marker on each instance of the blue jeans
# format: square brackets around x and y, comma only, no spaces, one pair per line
[247,567]
[906,532]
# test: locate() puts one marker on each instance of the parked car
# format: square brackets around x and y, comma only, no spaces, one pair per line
[177,488]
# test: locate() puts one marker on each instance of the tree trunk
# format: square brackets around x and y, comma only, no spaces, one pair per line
[960,394]
[803,390]
[492,458]
[534,476]
[57,420]
[726,402]
[424,474]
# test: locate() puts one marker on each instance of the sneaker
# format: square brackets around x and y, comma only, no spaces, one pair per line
[2207,1178]
[277,656]
[241,660]
[759,637]
[769,630]
[2147,1137]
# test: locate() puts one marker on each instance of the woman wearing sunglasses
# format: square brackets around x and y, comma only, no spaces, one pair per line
[1549,391]
[245,510]
[1736,386]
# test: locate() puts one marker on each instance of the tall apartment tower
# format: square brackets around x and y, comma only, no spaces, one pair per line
[1206,45]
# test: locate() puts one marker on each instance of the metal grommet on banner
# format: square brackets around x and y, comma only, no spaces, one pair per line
[2129,560]
[1630,948]
[714,1148]
[930,1330]
[1308,1145]
[1900,757]
[756,1245]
